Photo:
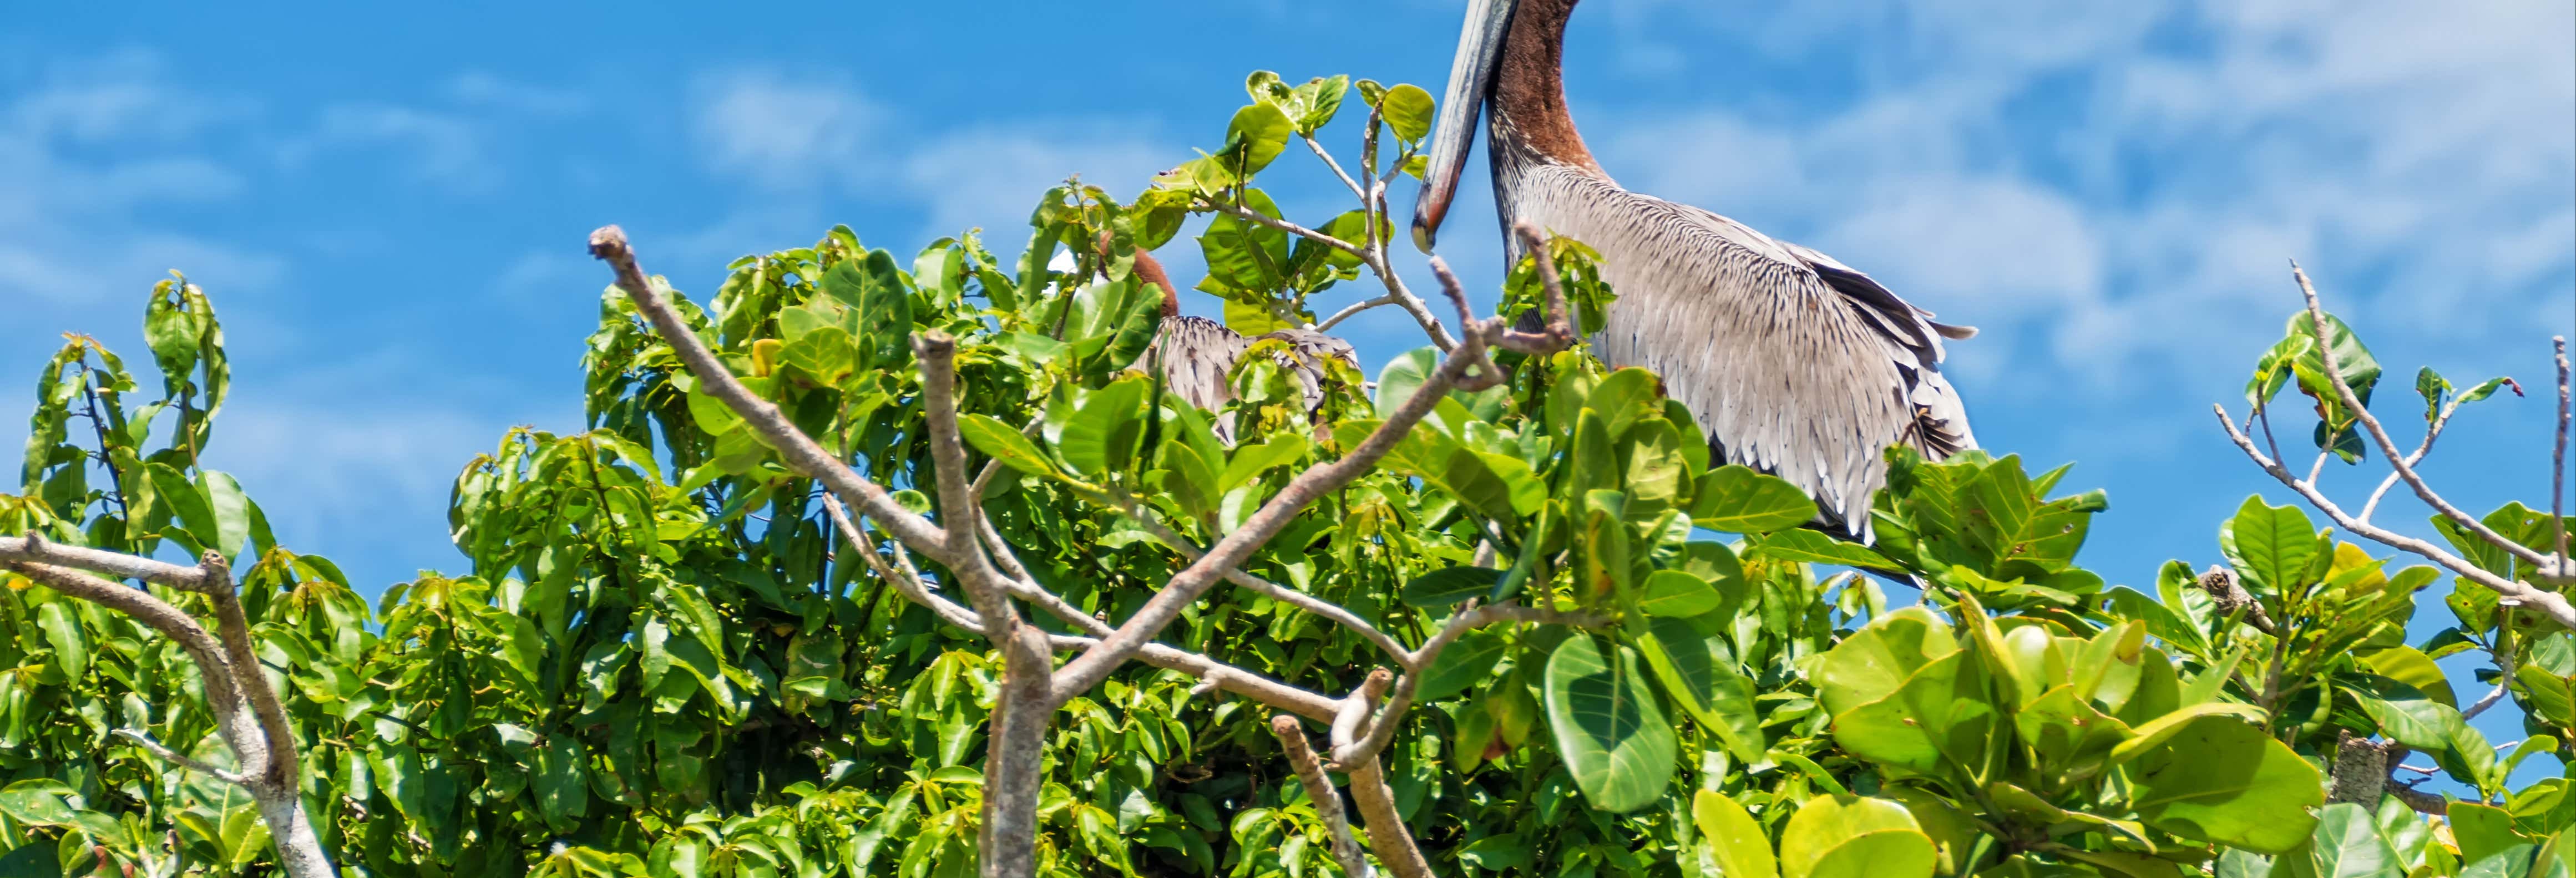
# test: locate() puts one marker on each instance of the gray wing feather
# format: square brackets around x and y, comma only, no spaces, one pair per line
[1794,363]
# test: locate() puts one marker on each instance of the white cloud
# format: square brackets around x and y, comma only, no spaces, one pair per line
[87,150]
[2416,158]
[434,147]
[783,131]
[991,177]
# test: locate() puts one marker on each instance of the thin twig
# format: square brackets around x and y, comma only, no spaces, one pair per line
[796,450]
[1356,191]
[182,760]
[1185,587]
[2558,467]
[2387,446]
[2431,432]
[2554,605]
[2486,701]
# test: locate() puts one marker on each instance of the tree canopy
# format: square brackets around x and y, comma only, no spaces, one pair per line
[872,566]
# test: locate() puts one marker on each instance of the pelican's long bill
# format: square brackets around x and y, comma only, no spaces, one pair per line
[1471,78]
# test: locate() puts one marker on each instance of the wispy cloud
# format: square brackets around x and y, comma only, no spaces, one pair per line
[783,131]
[74,212]
[2136,178]
[991,176]
[432,146]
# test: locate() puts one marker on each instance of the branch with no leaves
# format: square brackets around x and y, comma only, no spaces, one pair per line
[1373,257]
[2513,592]
[2388,446]
[1319,790]
[248,716]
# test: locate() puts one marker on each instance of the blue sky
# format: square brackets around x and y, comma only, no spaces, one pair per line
[389,205]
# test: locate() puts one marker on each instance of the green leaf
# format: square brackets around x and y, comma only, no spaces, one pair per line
[2219,779]
[2347,844]
[1402,375]
[998,441]
[1876,660]
[1613,738]
[2271,546]
[1735,841]
[2482,830]
[1816,548]
[1105,429]
[1462,665]
[1942,720]
[1700,673]
[230,508]
[1256,136]
[1408,111]
[1845,836]
[1440,588]
[63,634]
[2412,667]
[1736,499]
[1677,594]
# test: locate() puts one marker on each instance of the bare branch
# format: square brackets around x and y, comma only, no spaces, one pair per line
[2554,605]
[1173,540]
[1319,790]
[2431,432]
[1419,662]
[906,582]
[2388,447]
[2224,591]
[116,564]
[1353,310]
[1185,587]
[958,513]
[182,760]
[1388,836]
[2558,467]
[1356,191]
[1558,330]
[2485,701]
[1245,683]
[796,450]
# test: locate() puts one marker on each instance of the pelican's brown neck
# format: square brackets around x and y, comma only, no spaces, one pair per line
[1150,270]
[1529,87]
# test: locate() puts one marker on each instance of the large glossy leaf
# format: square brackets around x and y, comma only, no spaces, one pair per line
[1449,585]
[1811,547]
[1462,665]
[1875,660]
[1942,719]
[1735,841]
[1844,836]
[2219,779]
[1736,499]
[1614,739]
[1105,428]
[2272,547]
[1408,111]
[2347,844]
[1700,674]
[997,440]
[1677,594]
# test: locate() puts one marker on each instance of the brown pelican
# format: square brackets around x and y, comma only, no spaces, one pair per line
[1795,364]
[1198,354]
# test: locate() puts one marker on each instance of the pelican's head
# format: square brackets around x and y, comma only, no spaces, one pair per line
[1471,80]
